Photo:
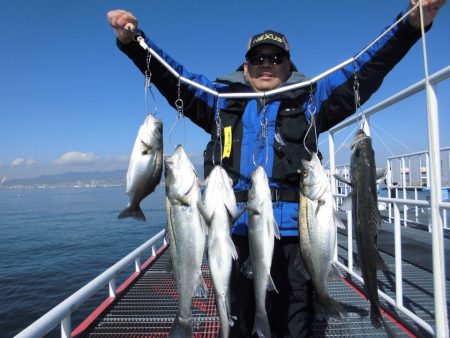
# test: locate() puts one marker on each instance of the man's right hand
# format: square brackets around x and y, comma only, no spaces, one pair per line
[124,24]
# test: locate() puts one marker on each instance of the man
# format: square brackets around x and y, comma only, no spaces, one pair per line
[286,120]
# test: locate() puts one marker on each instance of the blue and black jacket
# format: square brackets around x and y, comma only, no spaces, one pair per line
[287,116]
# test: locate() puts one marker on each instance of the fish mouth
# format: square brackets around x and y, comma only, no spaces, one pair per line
[359,137]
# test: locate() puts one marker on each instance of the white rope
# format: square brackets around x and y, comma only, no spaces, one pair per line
[387,31]
[269,93]
[391,136]
[382,142]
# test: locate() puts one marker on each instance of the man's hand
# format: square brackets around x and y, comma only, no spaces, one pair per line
[430,10]
[124,24]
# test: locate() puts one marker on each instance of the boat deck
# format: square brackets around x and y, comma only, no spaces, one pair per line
[147,308]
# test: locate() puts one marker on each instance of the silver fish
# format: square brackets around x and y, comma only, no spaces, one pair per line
[219,211]
[187,236]
[145,167]
[317,235]
[366,218]
[262,230]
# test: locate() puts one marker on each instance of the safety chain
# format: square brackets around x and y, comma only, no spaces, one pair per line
[264,122]
[148,73]
[179,102]
[356,92]
[218,119]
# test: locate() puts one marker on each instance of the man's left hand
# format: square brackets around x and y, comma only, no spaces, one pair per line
[430,10]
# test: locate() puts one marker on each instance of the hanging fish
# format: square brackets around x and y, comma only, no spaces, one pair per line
[145,168]
[366,218]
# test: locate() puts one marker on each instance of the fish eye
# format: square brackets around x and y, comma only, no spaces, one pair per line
[305,173]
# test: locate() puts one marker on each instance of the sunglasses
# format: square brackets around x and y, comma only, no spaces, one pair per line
[258,59]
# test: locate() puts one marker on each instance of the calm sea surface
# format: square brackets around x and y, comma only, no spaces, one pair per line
[54,241]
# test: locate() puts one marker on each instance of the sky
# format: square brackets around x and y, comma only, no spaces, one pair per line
[71,101]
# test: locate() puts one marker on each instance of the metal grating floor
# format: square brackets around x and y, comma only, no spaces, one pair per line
[148,307]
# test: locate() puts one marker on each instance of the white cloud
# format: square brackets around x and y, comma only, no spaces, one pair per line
[23,162]
[75,157]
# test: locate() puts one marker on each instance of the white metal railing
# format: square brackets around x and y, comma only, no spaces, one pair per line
[61,314]
[435,204]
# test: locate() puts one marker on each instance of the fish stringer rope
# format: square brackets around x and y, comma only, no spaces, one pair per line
[148,86]
[179,106]
[218,131]
[263,138]
[311,108]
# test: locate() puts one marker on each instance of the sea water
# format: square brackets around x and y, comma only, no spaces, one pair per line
[54,241]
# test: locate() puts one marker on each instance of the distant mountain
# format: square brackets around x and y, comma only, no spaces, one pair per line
[69,177]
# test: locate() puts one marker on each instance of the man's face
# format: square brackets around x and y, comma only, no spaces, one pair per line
[272,68]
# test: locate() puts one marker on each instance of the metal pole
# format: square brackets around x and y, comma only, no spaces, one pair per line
[398,257]
[437,231]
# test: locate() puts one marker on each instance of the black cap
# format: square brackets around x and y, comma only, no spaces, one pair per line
[268,37]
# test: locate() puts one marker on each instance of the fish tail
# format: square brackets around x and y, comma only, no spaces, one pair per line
[201,290]
[381,264]
[181,328]
[261,326]
[375,316]
[378,321]
[135,213]
[327,307]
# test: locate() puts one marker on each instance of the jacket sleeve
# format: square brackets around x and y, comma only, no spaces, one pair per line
[334,95]
[198,105]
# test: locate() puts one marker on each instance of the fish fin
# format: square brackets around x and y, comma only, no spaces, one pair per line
[271,284]
[342,179]
[232,248]
[337,221]
[381,264]
[135,213]
[183,199]
[276,230]
[231,320]
[326,308]
[201,208]
[381,173]
[181,328]
[233,212]
[261,326]
[357,265]
[335,273]
[201,290]
[247,268]
[253,209]
[346,204]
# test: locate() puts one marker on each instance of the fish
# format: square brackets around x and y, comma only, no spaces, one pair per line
[366,218]
[262,231]
[317,236]
[219,211]
[145,167]
[187,237]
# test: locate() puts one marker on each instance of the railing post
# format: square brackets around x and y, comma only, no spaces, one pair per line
[350,240]
[437,231]
[66,327]
[137,264]
[112,287]
[398,257]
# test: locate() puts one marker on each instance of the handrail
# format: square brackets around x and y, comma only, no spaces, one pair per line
[435,203]
[437,77]
[62,312]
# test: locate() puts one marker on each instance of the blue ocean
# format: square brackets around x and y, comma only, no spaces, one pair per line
[54,241]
